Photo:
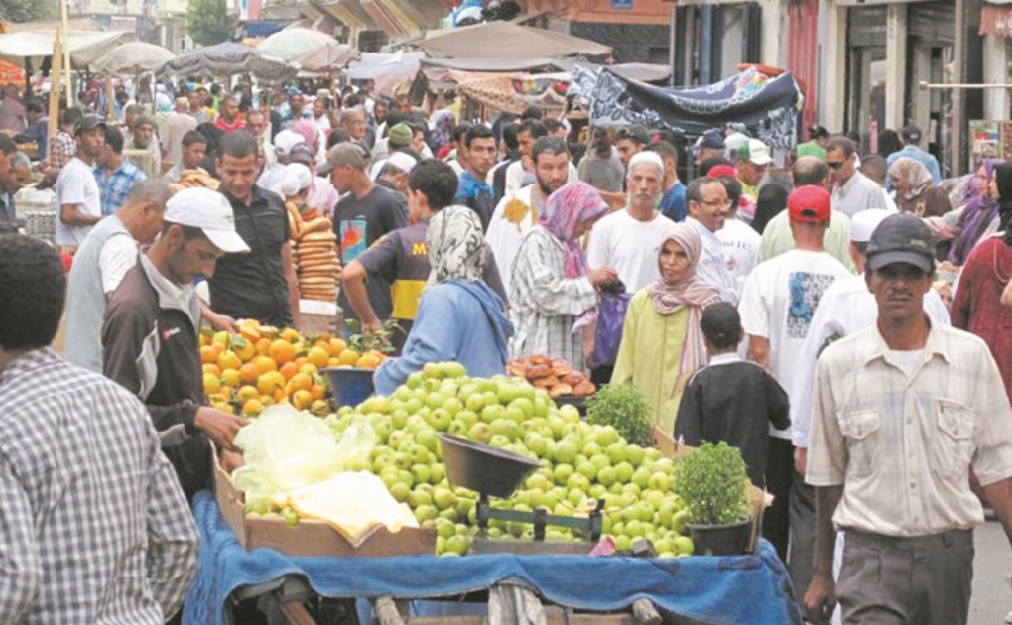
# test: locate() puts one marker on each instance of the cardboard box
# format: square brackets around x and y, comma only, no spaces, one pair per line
[311,538]
[758,498]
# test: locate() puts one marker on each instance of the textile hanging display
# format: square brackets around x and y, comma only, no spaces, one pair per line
[760,106]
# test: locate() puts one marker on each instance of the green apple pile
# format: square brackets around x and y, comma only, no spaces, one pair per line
[581,463]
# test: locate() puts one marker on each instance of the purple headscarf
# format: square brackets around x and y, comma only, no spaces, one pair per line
[979,211]
[573,204]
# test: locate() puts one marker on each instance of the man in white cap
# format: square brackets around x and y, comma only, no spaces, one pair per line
[150,332]
[629,239]
[284,143]
[845,308]
[393,175]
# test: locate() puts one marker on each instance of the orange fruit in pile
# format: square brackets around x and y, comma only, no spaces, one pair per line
[262,366]
[348,357]
[208,355]
[281,351]
[265,364]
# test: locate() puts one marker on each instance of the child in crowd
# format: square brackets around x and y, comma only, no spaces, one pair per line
[731,399]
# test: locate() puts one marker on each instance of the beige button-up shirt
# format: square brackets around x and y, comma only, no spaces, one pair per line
[901,444]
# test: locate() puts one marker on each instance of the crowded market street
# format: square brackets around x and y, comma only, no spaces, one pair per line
[409,312]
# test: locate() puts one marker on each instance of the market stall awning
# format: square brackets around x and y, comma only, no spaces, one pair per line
[511,92]
[759,105]
[378,64]
[132,58]
[506,39]
[491,64]
[401,19]
[84,47]
[330,57]
[227,59]
[293,42]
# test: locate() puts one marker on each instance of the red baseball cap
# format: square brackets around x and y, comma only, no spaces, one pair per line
[722,170]
[809,204]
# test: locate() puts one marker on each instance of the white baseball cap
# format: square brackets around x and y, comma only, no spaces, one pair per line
[756,152]
[286,140]
[199,207]
[863,223]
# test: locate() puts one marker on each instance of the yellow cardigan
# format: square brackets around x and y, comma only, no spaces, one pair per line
[649,355]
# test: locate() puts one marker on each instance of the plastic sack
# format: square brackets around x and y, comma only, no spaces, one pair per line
[608,333]
[285,449]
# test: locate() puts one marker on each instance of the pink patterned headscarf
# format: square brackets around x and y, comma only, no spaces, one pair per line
[565,211]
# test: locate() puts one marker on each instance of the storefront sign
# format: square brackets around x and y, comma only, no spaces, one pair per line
[624,5]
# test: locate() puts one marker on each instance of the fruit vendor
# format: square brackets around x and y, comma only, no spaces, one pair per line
[402,257]
[459,318]
[150,331]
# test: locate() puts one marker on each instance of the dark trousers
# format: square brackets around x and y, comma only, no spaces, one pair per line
[779,475]
[802,519]
[898,581]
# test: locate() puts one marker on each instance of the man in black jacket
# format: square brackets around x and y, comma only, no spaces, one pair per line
[150,332]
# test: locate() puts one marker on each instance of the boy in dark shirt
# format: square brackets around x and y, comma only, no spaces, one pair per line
[731,399]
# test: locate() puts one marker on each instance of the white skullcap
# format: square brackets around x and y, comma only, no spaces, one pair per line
[647,157]
[863,223]
[297,177]
[402,161]
[286,140]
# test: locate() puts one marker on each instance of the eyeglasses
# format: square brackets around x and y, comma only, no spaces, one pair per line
[725,203]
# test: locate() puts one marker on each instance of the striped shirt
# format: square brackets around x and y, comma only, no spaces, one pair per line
[900,430]
[94,527]
[544,303]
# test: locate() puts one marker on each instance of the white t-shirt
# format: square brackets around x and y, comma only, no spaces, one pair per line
[505,231]
[778,302]
[118,256]
[76,185]
[846,307]
[741,249]
[629,246]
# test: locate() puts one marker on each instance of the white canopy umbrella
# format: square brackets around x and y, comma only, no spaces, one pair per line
[132,58]
[84,47]
[291,43]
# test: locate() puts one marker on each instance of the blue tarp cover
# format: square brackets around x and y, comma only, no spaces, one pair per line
[742,590]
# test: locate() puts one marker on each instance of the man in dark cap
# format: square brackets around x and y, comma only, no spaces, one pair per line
[902,411]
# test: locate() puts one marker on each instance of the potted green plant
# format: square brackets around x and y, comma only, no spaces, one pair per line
[712,482]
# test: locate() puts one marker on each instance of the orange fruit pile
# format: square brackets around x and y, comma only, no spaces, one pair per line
[262,366]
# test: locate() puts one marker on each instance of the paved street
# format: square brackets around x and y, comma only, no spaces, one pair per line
[992,598]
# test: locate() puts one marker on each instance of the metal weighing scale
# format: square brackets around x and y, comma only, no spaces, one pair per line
[494,472]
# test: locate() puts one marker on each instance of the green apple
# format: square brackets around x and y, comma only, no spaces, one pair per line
[635,455]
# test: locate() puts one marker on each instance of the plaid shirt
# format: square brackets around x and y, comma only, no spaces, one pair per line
[113,190]
[62,148]
[545,303]
[94,527]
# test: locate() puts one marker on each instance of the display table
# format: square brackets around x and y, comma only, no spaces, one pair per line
[740,590]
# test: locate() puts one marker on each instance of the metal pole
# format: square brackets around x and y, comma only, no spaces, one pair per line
[672,41]
[66,51]
[957,97]
[925,85]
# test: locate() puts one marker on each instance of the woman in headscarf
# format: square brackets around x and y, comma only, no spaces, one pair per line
[662,342]
[459,317]
[551,286]
[980,210]
[988,268]
[915,191]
